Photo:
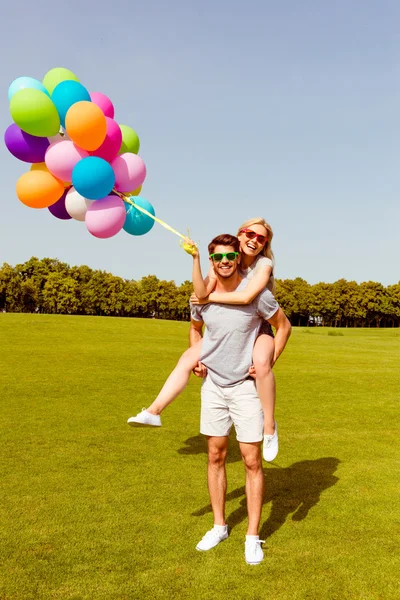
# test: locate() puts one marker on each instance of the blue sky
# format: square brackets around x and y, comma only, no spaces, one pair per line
[287,110]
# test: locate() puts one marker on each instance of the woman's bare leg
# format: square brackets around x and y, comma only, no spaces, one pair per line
[178,379]
[263,354]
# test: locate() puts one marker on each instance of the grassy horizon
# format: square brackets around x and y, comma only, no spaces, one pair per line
[93,509]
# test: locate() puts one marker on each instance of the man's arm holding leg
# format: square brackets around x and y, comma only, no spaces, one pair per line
[283,330]
[195,332]
[195,335]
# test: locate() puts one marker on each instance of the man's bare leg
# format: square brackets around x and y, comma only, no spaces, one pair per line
[217,451]
[216,471]
[251,455]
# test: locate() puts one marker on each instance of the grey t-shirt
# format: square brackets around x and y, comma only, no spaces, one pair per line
[230,334]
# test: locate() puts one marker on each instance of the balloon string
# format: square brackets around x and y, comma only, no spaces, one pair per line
[190,248]
[128,200]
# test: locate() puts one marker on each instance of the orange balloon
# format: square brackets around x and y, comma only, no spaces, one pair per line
[38,189]
[86,125]
[43,167]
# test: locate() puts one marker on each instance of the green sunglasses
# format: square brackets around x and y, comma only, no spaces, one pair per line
[231,256]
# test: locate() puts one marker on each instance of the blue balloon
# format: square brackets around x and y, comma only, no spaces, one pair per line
[65,94]
[93,178]
[136,222]
[26,82]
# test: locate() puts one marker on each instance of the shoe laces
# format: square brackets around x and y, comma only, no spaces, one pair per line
[213,534]
[268,437]
[254,544]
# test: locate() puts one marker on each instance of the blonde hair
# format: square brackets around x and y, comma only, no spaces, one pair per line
[267,250]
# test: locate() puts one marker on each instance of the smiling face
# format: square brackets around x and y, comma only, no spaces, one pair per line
[253,247]
[225,268]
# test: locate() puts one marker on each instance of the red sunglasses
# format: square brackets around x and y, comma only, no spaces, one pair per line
[250,234]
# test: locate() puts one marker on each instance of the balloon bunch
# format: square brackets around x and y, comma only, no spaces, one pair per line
[85,166]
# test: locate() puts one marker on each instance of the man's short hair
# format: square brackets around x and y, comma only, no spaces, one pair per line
[225,239]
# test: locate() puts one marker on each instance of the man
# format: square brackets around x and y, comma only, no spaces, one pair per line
[228,394]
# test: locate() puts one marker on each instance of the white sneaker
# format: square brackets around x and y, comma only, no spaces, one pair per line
[270,447]
[145,418]
[211,539]
[253,551]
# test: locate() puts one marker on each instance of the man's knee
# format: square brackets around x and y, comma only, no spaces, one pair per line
[252,461]
[217,455]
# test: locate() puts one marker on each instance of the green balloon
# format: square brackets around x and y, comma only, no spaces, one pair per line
[130,140]
[35,113]
[56,76]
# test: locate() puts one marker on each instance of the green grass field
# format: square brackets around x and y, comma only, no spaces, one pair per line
[92,509]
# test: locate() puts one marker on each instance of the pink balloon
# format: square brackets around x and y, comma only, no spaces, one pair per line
[130,171]
[112,143]
[61,157]
[103,102]
[105,217]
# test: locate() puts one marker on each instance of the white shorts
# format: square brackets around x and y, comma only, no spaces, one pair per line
[239,405]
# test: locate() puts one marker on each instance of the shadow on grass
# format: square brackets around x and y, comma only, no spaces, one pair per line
[292,491]
[198,445]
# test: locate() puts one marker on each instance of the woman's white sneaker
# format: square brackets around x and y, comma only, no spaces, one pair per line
[270,446]
[145,418]
[213,538]
[253,551]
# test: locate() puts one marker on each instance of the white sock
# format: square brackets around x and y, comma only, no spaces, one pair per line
[252,537]
[220,528]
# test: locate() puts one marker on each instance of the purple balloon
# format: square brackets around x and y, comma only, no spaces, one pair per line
[58,209]
[24,146]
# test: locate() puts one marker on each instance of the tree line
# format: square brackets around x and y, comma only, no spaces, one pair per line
[50,286]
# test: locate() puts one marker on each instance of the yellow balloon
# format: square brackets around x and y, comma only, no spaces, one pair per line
[134,192]
[43,167]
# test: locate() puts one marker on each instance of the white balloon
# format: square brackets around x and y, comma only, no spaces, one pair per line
[76,205]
